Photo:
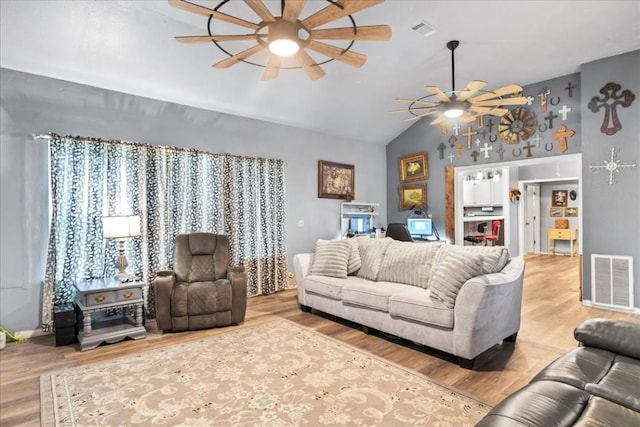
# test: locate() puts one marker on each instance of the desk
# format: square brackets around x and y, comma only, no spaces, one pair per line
[99,295]
[570,234]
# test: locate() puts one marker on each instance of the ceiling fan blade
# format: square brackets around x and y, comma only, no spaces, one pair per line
[313,70]
[260,9]
[433,110]
[467,117]
[505,90]
[292,9]
[419,116]
[373,33]
[489,110]
[195,8]
[418,101]
[272,69]
[521,100]
[232,60]
[354,59]
[333,11]
[472,87]
[202,39]
[441,118]
[434,90]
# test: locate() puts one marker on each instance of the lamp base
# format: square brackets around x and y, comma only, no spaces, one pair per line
[121,263]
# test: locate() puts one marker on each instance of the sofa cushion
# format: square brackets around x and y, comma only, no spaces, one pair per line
[413,303]
[355,262]
[617,336]
[453,266]
[331,258]
[371,253]
[621,384]
[578,367]
[330,287]
[368,294]
[407,262]
[494,257]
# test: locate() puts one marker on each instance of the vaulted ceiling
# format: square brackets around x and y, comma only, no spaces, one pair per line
[129,46]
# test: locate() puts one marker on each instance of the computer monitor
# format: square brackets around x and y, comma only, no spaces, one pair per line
[420,228]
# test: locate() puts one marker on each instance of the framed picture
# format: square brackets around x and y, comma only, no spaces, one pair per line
[413,194]
[336,180]
[559,198]
[570,211]
[414,167]
[556,212]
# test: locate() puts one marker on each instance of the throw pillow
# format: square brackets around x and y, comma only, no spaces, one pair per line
[371,253]
[495,257]
[409,263]
[453,266]
[331,258]
[355,262]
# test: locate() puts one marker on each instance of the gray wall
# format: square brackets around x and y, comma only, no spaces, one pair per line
[34,104]
[610,214]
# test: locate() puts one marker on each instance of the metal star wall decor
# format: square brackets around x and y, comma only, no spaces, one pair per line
[613,165]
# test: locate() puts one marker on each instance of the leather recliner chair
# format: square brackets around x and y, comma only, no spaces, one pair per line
[201,291]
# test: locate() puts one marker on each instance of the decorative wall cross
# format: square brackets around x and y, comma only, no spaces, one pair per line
[441,149]
[452,141]
[456,129]
[450,156]
[530,100]
[564,111]
[490,125]
[570,88]
[543,99]
[537,139]
[610,93]
[550,118]
[562,135]
[485,149]
[480,121]
[469,133]
[477,141]
[528,147]
[475,155]
[613,165]
[483,133]
[460,149]
[500,151]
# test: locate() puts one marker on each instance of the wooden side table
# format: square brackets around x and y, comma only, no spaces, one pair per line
[99,295]
[570,234]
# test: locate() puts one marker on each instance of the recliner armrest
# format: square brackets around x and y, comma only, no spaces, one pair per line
[238,279]
[163,287]
[236,269]
[618,336]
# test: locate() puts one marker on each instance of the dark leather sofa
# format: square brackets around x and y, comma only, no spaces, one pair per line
[595,384]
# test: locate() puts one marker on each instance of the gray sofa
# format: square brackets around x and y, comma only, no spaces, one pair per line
[400,296]
[595,384]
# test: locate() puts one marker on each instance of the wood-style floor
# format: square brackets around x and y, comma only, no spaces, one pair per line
[551,310]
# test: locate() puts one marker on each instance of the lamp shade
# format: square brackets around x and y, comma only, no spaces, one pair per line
[121,226]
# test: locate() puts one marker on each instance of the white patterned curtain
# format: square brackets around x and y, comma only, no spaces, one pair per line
[174,191]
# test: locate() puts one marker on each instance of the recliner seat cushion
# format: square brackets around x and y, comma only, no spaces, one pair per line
[578,367]
[198,298]
[621,384]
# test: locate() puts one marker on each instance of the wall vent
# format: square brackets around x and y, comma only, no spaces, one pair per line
[612,281]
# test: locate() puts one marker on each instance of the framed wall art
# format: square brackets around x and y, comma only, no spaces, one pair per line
[556,212]
[413,194]
[414,167]
[336,180]
[570,211]
[559,198]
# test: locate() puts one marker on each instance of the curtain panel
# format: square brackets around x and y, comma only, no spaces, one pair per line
[174,191]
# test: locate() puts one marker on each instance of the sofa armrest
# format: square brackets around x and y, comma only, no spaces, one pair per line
[618,336]
[163,288]
[301,266]
[487,309]
[238,279]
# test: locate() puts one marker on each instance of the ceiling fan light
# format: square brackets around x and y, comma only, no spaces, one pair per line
[283,38]
[453,112]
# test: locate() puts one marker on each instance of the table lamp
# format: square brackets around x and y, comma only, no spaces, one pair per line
[121,227]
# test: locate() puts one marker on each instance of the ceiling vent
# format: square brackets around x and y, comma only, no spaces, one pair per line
[424,29]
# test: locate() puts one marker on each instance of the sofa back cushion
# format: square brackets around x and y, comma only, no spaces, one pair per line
[452,267]
[494,257]
[371,253]
[409,263]
[331,258]
[355,262]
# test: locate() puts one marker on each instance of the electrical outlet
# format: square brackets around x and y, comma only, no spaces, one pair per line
[301,223]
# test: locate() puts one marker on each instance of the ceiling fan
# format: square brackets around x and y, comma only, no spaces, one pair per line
[287,36]
[462,105]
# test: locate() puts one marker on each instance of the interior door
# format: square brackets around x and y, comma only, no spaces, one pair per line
[532,218]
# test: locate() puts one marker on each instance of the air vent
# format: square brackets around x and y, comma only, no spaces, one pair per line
[612,281]
[424,29]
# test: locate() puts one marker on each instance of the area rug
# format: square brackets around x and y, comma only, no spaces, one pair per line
[275,374]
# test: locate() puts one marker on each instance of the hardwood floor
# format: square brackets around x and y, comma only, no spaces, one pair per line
[551,310]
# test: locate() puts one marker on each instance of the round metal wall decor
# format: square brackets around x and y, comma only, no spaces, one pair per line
[517,125]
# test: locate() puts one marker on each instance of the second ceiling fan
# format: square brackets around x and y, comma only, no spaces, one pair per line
[463,105]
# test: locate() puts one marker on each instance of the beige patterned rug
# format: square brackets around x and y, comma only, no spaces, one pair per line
[274,374]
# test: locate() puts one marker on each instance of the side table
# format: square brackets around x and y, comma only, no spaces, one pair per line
[99,295]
